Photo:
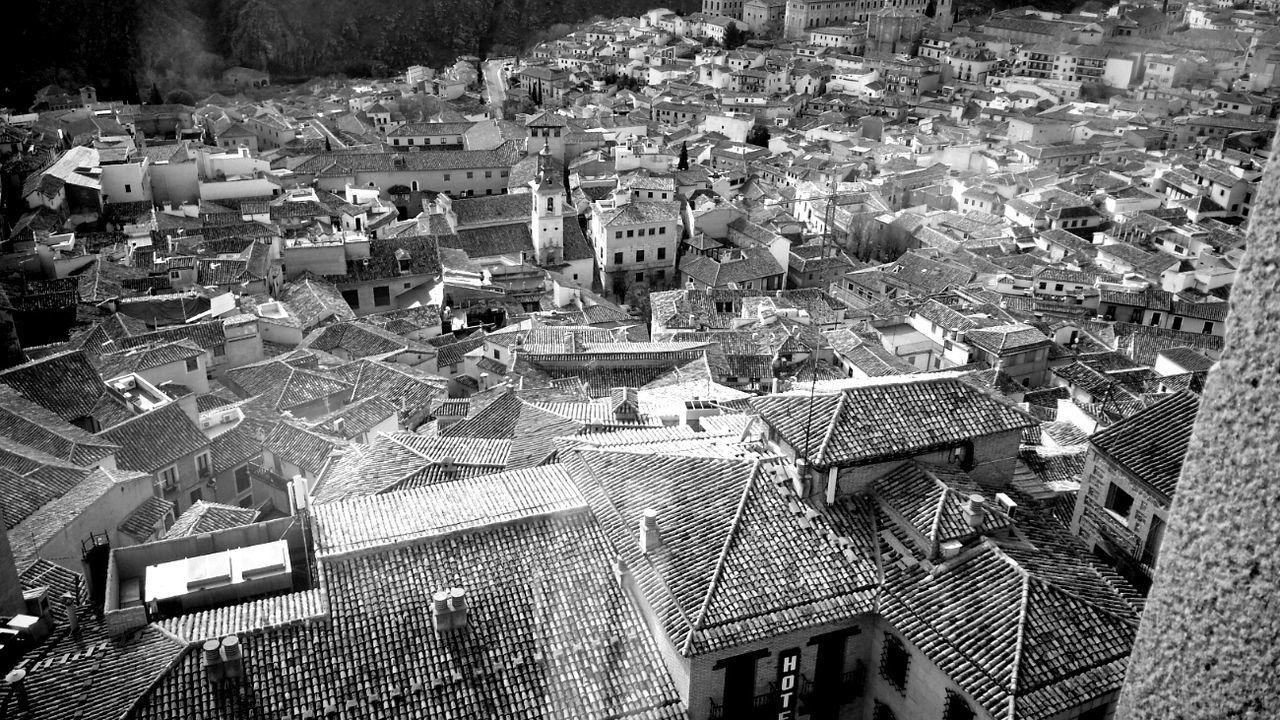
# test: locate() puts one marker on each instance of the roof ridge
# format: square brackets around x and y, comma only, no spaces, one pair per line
[831,427]
[724,554]
[1020,638]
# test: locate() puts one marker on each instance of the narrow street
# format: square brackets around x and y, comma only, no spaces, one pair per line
[495,88]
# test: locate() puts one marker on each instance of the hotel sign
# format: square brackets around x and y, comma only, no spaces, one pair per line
[788,679]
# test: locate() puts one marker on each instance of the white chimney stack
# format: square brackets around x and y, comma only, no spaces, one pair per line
[449,609]
[649,538]
[232,658]
[213,660]
[975,511]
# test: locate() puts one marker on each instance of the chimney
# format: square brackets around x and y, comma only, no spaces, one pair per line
[448,466]
[975,511]
[17,682]
[649,538]
[340,427]
[213,668]
[951,548]
[232,658]
[11,602]
[449,609]
[69,608]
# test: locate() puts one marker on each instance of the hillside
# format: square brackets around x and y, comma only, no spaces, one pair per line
[179,42]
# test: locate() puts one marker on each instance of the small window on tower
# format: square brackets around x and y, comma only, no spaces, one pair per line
[551,204]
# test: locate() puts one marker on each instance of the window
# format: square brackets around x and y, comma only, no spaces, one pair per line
[631,233]
[639,256]
[169,478]
[219,350]
[446,177]
[662,253]
[957,708]
[128,188]
[617,258]
[617,235]
[247,501]
[1057,287]
[1119,501]
[242,479]
[382,296]
[195,496]
[662,231]
[639,277]
[352,297]
[470,174]
[193,364]
[1208,328]
[894,663]
[414,185]
[502,173]
[202,463]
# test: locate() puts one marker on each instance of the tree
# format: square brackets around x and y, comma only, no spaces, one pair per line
[180,97]
[759,136]
[733,37]
[154,98]
[684,157]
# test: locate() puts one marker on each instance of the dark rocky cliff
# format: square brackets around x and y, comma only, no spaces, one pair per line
[121,45]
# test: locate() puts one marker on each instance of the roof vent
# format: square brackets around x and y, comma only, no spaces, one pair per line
[448,466]
[213,669]
[951,548]
[975,511]
[17,680]
[649,538]
[340,426]
[232,658]
[449,609]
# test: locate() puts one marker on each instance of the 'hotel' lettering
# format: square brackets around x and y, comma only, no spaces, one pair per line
[788,674]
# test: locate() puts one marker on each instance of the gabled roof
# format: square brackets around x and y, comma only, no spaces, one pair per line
[286,386]
[1152,443]
[66,384]
[300,446]
[739,560]
[931,500]
[1014,337]
[154,440]
[205,517]
[884,420]
[26,422]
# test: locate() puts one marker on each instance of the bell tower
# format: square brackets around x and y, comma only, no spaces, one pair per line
[548,211]
[944,15]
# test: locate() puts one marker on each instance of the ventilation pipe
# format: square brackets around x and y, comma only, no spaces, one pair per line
[975,511]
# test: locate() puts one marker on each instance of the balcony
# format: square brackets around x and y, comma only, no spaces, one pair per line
[265,475]
[765,706]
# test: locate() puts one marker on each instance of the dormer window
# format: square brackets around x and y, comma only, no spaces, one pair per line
[403,260]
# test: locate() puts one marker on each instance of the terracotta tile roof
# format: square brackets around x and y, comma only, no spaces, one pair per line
[882,420]
[25,422]
[286,386]
[349,163]
[402,387]
[312,300]
[148,358]
[357,418]
[589,659]
[1047,473]
[300,446]
[53,517]
[144,521]
[154,440]
[208,335]
[276,613]
[740,560]
[59,580]
[1015,337]
[27,483]
[237,446]
[529,428]
[931,499]
[66,384]
[205,517]
[358,339]
[388,519]
[109,675]
[1152,443]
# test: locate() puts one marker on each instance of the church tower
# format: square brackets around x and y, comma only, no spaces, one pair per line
[944,15]
[547,213]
